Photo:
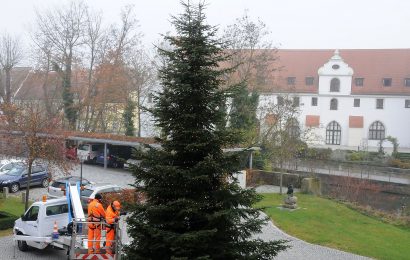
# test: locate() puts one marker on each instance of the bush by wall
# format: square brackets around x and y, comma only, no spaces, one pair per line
[6,220]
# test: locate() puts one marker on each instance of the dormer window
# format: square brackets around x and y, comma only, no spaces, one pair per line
[359,82]
[309,81]
[335,85]
[387,82]
[291,80]
[407,82]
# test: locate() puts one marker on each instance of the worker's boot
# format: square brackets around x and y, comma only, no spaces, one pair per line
[90,250]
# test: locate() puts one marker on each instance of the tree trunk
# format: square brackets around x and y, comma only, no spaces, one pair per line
[8,86]
[281,178]
[30,164]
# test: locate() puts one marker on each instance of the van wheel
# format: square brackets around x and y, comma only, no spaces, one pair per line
[14,188]
[44,183]
[22,245]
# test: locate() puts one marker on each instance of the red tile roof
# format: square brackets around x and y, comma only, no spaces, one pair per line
[371,64]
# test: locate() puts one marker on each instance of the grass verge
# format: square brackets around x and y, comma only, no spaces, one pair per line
[13,206]
[329,223]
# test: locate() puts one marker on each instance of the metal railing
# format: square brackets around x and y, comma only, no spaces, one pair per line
[79,238]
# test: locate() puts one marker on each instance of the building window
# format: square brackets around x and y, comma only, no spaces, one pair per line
[335,85]
[379,103]
[333,104]
[293,128]
[359,82]
[281,101]
[333,133]
[376,131]
[387,82]
[291,80]
[309,81]
[407,103]
[296,101]
[407,82]
[314,101]
[335,67]
[356,102]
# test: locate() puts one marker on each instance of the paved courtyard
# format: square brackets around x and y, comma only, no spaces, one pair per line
[299,250]
[94,173]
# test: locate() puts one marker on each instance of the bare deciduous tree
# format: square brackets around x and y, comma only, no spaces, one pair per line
[39,138]
[63,27]
[10,55]
[251,52]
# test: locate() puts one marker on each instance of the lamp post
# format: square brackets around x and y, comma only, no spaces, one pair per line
[82,159]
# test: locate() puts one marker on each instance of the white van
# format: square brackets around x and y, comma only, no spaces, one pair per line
[38,221]
[89,151]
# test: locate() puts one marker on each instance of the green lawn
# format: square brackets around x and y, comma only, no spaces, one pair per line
[328,223]
[11,205]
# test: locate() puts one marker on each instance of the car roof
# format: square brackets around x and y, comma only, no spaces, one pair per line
[99,186]
[49,202]
[70,178]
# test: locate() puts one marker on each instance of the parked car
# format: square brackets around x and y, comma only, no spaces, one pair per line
[116,156]
[56,187]
[88,193]
[7,164]
[89,151]
[17,177]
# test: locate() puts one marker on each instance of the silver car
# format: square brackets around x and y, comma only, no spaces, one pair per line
[56,187]
[88,193]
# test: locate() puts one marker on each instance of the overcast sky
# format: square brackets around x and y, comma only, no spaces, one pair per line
[295,24]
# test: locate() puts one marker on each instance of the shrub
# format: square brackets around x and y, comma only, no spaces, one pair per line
[357,156]
[127,198]
[400,163]
[317,153]
[6,220]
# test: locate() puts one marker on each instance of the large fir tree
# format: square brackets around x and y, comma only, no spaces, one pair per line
[193,210]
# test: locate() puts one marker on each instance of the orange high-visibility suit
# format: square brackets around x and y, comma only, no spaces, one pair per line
[96,214]
[111,219]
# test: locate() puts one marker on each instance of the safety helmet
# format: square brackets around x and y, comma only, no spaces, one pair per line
[116,204]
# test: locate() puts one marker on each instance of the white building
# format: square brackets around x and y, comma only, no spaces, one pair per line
[349,99]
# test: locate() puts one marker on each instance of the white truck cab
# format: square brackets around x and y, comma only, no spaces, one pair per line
[36,228]
[39,219]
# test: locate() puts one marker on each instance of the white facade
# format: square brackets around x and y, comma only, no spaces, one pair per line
[354,133]
[394,116]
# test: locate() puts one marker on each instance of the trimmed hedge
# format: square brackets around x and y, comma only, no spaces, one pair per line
[6,220]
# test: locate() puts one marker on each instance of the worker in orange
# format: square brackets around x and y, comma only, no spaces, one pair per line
[96,214]
[112,217]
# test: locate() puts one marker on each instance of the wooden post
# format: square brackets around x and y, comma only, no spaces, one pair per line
[5,192]
[23,197]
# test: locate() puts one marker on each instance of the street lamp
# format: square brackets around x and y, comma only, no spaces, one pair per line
[82,159]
